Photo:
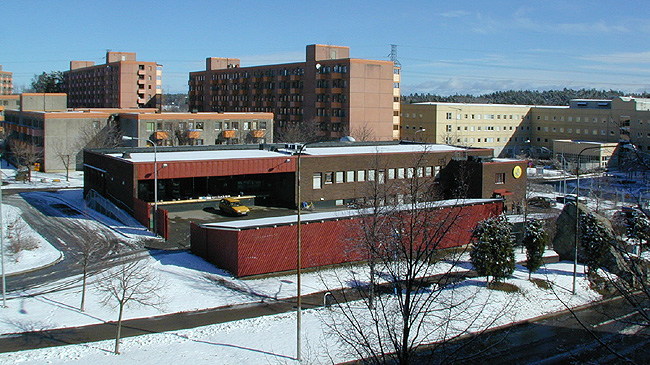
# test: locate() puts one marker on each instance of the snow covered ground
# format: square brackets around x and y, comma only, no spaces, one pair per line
[40,179]
[269,339]
[193,284]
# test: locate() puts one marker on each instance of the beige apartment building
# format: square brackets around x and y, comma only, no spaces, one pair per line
[174,129]
[59,135]
[512,129]
[122,82]
[341,95]
[493,126]
[6,82]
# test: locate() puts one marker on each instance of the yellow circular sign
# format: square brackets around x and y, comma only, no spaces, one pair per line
[516,172]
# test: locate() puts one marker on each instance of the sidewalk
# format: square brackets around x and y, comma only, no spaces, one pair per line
[186,320]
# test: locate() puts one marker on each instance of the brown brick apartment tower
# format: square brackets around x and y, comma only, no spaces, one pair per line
[122,82]
[342,95]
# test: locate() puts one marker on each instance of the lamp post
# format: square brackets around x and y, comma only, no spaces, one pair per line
[299,262]
[2,248]
[415,136]
[155,176]
[577,238]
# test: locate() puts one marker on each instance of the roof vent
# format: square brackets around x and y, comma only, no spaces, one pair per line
[126,155]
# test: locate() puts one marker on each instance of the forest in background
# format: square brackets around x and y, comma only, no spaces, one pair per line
[521,97]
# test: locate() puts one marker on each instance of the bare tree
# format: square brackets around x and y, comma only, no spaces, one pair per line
[25,154]
[129,282]
[66,153]
[96,136]
[20,239]
[303,131]
[404,305]
[363,133]
[93,246]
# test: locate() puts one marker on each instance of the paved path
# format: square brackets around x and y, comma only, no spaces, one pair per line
[186,320]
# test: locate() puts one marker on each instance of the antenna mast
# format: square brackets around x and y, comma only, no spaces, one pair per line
[393,55]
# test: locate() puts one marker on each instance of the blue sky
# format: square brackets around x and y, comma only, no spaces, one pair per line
[445,47]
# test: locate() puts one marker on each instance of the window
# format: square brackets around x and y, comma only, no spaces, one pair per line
[381,176]
[235,125]
[410,172]
[396,85]
[199,125]
[247,126]
[371,175]
[500,178]
[262,125]
[339,177]
[349,176]
[217,125]
[150,127]
[391,173]
[400,173]
[361,175]
[427,171]
[448,115]
[328,177]
[317,180]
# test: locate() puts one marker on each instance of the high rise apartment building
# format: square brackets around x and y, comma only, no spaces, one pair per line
[6,82]
[122,82]
[511,129]
[341,95]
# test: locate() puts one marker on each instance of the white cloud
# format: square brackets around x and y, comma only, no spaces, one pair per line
[455,14]
[621,57]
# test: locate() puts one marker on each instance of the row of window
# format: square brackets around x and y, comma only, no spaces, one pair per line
[339,177]
[191,125]
[449,116]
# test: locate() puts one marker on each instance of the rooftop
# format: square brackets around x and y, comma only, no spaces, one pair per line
[146,154]
[331,215]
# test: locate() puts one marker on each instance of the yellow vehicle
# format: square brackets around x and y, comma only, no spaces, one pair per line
[232,206]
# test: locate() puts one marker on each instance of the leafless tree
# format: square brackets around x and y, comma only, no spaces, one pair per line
[303,131]
[20,239]
[399,303]
[363,133]
[129,282]
[93,246]
[98,136]
[66,153]
[25,154]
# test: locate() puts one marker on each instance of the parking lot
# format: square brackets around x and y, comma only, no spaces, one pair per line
[181,214]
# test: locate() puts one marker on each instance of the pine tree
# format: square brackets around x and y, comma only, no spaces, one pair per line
[535,241]
[493,252]
[595,239]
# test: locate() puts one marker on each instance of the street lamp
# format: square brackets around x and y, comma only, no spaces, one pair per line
[415,137]
[299,260]
[2,248]
[155,176]
[575,253]
[346,139]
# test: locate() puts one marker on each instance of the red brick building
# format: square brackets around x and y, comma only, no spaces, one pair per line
[267,245]
[342,95]
[122,82]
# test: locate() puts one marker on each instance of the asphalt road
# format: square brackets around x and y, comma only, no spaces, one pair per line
[60,225]
[558,339]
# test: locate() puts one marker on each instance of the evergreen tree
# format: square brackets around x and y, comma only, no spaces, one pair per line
[595,239]
[493,252]
[52,82]
[535,241]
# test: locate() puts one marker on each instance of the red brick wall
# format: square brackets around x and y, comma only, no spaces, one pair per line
[274,249]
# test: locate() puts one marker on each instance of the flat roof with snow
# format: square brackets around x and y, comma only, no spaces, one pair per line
[219,154]
[239,225]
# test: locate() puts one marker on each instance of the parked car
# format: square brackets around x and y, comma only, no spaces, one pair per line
[232,206]
[541,202]
[570,198]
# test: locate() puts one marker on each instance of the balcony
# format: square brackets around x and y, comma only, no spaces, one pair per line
[258,133]
[231,133]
